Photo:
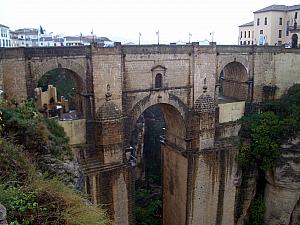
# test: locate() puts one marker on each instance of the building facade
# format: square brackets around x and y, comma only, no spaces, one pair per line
[273,25]
[246,34]
[5,40]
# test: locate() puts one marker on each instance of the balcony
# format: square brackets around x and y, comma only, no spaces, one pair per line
[291,27]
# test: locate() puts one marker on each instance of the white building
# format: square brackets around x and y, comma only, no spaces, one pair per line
[26,37]
[5,40]
[273,25]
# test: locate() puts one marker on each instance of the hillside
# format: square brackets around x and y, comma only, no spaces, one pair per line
[37,174]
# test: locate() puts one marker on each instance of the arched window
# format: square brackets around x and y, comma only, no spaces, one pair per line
[158,81]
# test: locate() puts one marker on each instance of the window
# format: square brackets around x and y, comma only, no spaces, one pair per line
[279,33]
[3,43]
[158,81]
[279,43]
[261,32]
[248,42]
[257,22]
[241,34]
[280,21]
[6,43]
[244,42]
[296,15]
[249,34]
[0,42]
[241,43]
[266,21]
[245,34]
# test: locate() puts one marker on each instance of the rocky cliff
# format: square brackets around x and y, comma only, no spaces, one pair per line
[282,190]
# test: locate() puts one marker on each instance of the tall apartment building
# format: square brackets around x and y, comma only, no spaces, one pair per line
[5,40]
[273,25]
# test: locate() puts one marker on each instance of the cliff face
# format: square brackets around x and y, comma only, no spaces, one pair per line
[282,190]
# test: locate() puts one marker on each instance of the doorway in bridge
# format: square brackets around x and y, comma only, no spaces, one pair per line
[233,82]
[158,144]
[145,140]
[58,94]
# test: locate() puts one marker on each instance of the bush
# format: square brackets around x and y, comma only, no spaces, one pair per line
[264,131]
[257,211]
[27,127]
[65,206]
[14,165]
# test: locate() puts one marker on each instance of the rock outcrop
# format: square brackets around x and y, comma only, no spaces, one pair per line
[69,170]
[2,215]
[283,187]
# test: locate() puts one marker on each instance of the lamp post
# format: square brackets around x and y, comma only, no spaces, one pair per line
[212,36]
[140,38]
[190,35]
[157,33]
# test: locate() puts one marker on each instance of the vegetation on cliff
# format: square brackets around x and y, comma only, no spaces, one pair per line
[261,136]
[31,193]
[148,198]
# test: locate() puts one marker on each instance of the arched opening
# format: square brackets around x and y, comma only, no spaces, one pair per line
[59,92]
[158,80]
[158,146]
[294,41]
[233,80]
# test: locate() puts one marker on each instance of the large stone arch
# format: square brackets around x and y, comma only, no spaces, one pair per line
[173,153]
[154,98]
[169,104]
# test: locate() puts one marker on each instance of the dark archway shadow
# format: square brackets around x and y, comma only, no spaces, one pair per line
[294,41]
[159,183]
[234,82]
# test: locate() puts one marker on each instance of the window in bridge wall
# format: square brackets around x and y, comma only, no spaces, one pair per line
[158,80]
[234,81]
[159,75]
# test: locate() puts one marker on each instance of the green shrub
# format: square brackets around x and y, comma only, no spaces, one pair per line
[14,165]
[257,211]
[29,128]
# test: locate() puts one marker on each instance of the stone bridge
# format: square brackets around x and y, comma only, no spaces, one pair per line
[116,85]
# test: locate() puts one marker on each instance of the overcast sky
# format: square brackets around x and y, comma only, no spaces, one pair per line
[123,19]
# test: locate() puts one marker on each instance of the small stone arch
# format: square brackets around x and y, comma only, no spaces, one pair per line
[41,69]
[223,61]
[233,80]
[70,73]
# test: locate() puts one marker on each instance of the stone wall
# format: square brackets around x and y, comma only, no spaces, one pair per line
[75,130]
[174,181]
[231,111]
[213,195]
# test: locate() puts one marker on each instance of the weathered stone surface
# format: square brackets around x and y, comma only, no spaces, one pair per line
[69,170]
[282,192]
[2,215]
